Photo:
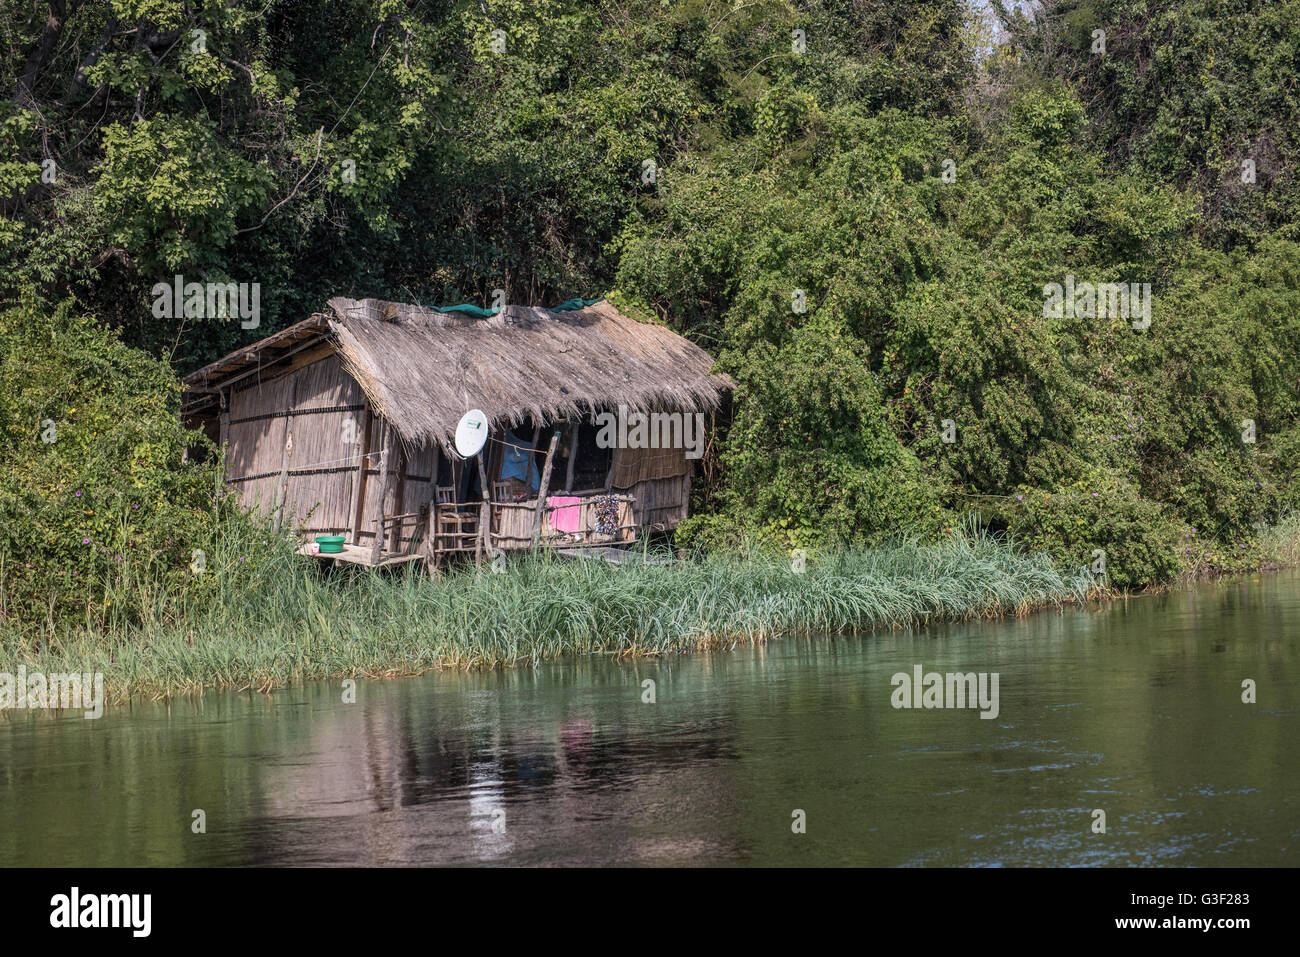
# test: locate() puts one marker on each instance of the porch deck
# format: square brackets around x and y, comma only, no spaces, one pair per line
[361,555]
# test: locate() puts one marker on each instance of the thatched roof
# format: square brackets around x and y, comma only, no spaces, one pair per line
[422,370]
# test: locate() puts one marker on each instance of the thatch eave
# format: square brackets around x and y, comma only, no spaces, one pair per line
[422,370]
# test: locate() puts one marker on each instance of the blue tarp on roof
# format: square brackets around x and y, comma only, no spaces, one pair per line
[479,312]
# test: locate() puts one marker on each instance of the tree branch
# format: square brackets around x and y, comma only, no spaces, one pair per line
[79,78]
[25,91]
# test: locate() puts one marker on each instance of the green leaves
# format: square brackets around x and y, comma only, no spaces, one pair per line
[1185,93]
[798,223]
[95,486]
[174,192]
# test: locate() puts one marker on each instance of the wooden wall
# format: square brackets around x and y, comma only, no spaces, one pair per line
[310,446]
[662,503]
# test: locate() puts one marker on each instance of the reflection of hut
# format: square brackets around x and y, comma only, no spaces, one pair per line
[343,423]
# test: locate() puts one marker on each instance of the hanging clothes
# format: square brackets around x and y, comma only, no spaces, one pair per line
[605,514]
[567,514]
[518,462]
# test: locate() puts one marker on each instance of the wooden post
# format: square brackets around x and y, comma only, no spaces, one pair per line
[224,418]
[282,483]
[484,510]
[546,484]
[399,497]
[532,459]
[432,535]
[378,547]
[494,461]
[609,476]
[573,457]
[356,508]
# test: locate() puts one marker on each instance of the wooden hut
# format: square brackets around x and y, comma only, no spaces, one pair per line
[343,424]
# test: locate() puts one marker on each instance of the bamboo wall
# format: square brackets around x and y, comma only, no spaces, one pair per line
[264,440]
[310,445]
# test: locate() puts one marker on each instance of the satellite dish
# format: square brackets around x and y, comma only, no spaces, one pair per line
[471,433]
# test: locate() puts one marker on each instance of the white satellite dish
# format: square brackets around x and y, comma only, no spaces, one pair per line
[471,433]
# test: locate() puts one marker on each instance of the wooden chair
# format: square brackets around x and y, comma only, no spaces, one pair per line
[501,492]
[456,528]
[393,525]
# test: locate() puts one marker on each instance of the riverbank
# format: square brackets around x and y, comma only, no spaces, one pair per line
[590,773]
[277,619]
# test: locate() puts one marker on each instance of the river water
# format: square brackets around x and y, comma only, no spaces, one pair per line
[1134,709]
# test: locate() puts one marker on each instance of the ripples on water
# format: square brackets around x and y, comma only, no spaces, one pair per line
[1134,709]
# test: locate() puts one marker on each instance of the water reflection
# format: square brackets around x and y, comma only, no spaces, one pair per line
[1135,709]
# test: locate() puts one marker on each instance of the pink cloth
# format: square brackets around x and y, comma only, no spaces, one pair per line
[567,514]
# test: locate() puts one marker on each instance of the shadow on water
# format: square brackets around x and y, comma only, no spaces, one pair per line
[1134,709]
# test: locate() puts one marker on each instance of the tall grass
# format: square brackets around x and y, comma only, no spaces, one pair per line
[1279,544]
[262,616]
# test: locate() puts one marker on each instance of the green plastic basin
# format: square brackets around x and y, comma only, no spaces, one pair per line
[330,544]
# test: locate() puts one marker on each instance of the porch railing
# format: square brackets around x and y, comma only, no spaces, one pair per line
[515,524]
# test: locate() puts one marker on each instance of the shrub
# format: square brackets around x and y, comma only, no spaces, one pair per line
[96,487]
[1140,538]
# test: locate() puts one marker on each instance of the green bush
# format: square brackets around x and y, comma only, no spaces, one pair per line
[1141,539]
[916,178]
[97,492]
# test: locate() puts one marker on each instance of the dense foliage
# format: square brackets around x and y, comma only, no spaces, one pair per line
[99,499]
[855,204]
